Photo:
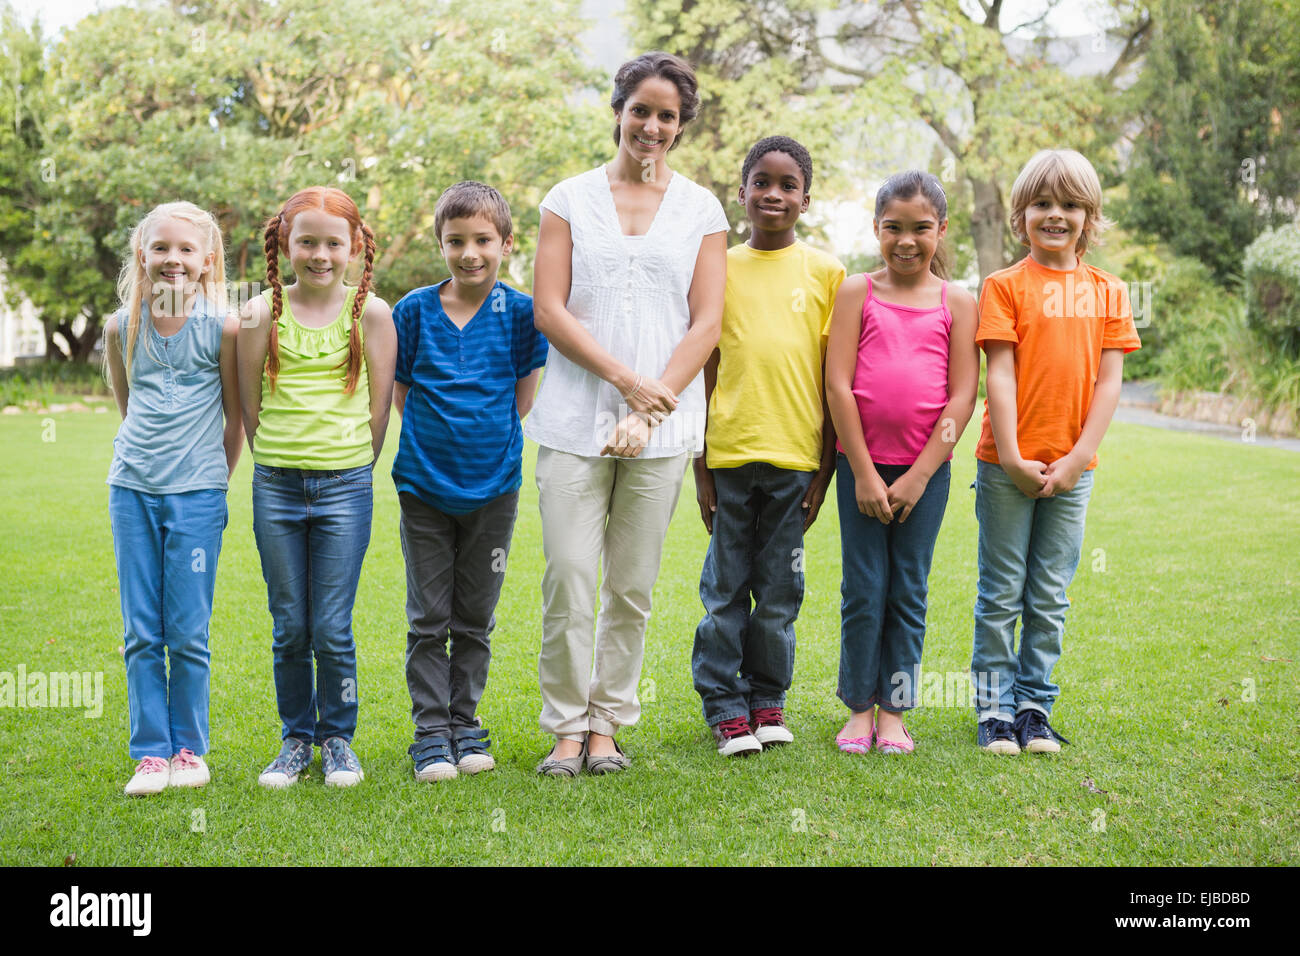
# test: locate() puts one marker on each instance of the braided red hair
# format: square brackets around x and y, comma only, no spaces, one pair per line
[333,202]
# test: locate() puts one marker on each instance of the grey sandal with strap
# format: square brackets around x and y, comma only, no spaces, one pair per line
[570,767]
[611,763]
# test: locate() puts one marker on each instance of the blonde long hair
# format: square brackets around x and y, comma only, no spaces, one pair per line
[133,281]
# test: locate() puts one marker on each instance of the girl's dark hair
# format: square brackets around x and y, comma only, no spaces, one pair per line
[671,68]
[908,184]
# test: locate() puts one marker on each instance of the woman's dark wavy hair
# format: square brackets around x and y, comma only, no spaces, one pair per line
[671,68]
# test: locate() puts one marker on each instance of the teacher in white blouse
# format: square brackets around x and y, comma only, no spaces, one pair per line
[628,288]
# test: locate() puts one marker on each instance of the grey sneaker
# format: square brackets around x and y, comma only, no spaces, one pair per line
[341,766]
[294,758]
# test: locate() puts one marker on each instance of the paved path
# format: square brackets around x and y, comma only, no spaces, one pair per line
[1138,402]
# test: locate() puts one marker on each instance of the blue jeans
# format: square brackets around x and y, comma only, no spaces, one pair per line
[1029,549]
[166,548]
[886,571]
[312,529]
[743,659]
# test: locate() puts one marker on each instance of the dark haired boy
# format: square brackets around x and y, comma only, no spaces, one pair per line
[468,363]
[769,454]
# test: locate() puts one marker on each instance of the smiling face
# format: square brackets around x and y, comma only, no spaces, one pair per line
[909,231]
[774,195]
[650,121]
[473,250]
[1053,225]
[320,247]
[174,258]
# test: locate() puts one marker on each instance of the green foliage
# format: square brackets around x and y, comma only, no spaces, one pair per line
[875,88]
[44,382]
[235,105]
[1217,158]
[1197,326]
[1272,272]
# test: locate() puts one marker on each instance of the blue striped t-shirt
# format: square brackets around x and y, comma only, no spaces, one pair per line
[462,444]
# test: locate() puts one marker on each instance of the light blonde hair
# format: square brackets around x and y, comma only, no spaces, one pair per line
[1066,175]
[133,281]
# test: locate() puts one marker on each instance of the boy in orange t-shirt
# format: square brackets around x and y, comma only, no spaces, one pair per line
[1055,331]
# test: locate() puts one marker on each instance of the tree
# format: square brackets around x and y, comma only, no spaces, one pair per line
[236,104]
[989,91]
[1216,160]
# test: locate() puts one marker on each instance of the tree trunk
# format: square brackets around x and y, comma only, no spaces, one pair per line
[988,226]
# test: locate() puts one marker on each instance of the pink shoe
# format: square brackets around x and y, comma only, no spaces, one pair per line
[855,745]
[896,747]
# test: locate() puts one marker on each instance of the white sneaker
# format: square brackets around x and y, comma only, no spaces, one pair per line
[151,776]
[188,770]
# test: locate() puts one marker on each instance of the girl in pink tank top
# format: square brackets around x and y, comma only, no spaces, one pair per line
[902,369]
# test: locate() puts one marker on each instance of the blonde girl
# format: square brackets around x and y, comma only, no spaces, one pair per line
[169,354]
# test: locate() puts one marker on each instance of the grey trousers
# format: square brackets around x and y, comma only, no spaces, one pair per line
[455,566]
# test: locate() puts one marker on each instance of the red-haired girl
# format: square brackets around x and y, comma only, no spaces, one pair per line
[316,363]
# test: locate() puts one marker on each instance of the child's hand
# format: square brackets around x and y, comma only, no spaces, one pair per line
[873,497]
[814,496]
[906,492]
[1062,475]
[629,437]
[651,397]
[706,494]
[1029,476]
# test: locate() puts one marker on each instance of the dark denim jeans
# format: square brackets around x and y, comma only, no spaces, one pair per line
[744,658]
[883,592]
[312,530]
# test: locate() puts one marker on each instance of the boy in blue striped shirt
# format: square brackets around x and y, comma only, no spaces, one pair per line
[468,363]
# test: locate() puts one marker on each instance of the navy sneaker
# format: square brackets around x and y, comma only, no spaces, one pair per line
[293,759]
[1036,734]
[433,759]
[470,747]
[997,736]
[341,766]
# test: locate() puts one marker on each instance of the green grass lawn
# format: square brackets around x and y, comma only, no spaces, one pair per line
[1179,690]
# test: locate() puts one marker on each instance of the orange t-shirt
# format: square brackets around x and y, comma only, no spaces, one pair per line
[1059,322]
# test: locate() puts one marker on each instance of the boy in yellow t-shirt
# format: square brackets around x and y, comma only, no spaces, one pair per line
[769,454]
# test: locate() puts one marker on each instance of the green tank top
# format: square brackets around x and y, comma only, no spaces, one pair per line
[308,421]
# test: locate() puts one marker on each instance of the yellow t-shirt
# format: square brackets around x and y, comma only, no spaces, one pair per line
[767,403]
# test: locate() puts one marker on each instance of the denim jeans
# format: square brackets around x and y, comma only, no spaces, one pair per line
[1029,549]
[886,571]
[312,530]
[167,548]
[743,658]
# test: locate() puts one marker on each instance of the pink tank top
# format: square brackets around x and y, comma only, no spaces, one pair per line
[901,382]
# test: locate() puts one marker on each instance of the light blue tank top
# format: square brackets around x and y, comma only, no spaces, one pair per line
[171,439]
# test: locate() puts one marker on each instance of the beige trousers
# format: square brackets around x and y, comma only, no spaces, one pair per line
[599,510]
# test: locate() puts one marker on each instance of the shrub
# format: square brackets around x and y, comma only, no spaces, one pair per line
[1272,271]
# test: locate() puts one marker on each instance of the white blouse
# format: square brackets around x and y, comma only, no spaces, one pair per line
[630,293]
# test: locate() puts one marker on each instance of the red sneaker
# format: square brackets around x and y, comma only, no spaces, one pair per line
[769,726]
[735,738]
